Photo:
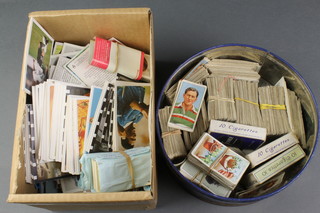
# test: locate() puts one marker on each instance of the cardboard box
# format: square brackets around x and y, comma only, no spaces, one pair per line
[132,26]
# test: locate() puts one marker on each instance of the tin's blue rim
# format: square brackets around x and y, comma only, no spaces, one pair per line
[199,189]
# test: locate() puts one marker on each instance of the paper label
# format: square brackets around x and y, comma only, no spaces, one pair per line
[279,163]
[239,135]
[266,152]
[101,54]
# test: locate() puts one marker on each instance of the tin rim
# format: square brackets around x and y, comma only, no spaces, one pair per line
[204,194]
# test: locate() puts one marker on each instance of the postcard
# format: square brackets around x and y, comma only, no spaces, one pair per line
[132,120]
[39,49]
[187,104]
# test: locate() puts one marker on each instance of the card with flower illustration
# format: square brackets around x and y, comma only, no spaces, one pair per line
[208,150]
[230,168]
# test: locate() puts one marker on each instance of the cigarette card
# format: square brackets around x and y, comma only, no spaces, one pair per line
[207,151]
[187,104]
[230,169]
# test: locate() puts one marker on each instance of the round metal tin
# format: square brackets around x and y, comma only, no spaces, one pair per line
[273,68]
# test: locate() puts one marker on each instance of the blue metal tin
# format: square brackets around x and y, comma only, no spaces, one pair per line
[274,67]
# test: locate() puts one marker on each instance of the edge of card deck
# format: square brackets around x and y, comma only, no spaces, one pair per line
[195,175]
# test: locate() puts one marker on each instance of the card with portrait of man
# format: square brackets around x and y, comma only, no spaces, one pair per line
[186,106]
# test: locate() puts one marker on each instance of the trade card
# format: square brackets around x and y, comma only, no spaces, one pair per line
[208,150]
[230,168]
[187,104]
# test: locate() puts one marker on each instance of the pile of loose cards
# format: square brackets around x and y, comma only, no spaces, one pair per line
[84,127]
[229,134]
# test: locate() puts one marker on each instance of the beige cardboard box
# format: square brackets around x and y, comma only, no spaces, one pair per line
[132,26]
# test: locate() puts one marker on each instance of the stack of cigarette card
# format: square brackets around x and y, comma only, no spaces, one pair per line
[220,99]
[273,110]
[296,119]
[236,69]
[294,111]
[220,162]
[195,175]
[196,75]
[172,140]
[247,103]
[202,125]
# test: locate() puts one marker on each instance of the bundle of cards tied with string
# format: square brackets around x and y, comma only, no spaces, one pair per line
[225,128]
[84,127]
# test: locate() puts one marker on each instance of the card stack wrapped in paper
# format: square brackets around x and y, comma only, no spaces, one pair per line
[172,138]
[220,99]
[273,110]
[116,171]
[217,160]
[197,176]
[113,56]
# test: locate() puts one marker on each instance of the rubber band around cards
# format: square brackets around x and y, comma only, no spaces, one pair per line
[264,106]
[271,106]
[174,132]
[217,98]
[196,175]
[130,167]
[247,101]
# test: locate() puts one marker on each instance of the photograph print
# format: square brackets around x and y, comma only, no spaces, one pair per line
[38,56]
[187,104]
[132,116]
